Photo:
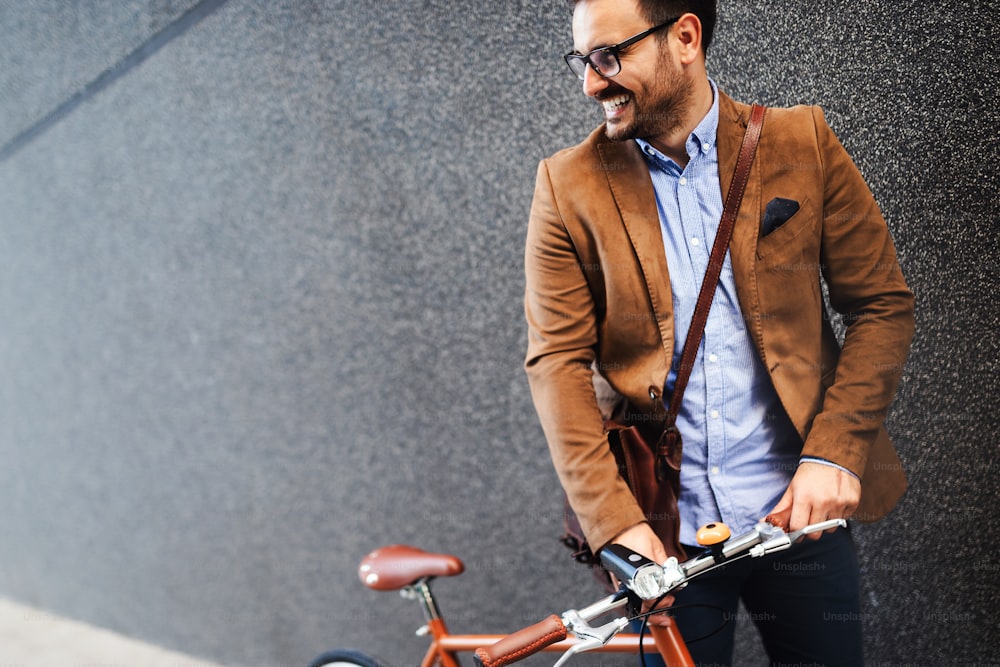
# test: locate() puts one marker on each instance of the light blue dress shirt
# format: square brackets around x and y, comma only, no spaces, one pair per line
[740,449]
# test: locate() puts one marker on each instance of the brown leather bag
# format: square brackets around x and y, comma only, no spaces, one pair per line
[649,457]
[653,476]
[636,460]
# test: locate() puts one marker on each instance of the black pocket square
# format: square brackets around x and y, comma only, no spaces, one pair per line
[777,213]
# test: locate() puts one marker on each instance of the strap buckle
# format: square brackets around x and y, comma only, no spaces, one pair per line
[668,454]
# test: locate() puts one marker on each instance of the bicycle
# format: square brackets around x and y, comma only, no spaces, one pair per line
[410,570]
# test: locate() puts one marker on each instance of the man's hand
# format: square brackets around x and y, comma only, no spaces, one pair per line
[818,492]
[641,539]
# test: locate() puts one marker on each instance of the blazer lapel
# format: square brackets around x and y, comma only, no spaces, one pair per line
[632,189]
[733,120]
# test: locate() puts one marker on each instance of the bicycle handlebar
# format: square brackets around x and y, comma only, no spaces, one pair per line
[522,643]
[640,578]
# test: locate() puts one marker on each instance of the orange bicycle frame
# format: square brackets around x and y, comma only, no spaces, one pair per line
[444,645]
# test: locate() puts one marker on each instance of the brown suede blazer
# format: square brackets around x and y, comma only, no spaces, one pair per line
[598,301]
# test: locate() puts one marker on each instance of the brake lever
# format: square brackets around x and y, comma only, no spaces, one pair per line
[817,528]
[588,645]
[782,540]
[590,637]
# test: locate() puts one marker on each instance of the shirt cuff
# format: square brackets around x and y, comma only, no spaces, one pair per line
[814,459]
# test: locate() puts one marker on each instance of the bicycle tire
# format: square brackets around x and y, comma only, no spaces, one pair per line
[343,657]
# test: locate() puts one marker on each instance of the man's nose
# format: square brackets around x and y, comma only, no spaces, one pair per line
[593,82]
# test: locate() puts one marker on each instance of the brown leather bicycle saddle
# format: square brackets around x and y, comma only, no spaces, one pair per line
[397,566]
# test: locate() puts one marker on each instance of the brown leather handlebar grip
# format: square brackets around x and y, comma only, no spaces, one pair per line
[522,643]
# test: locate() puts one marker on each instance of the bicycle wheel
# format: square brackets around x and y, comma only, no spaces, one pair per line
[346,658]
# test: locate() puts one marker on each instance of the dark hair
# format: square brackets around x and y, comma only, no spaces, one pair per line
[658,11]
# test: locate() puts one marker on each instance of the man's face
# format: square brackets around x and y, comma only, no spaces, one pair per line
[649,97]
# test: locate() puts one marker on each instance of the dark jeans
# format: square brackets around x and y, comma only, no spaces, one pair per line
[804,602]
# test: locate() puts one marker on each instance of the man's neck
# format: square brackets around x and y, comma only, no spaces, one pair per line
[674,144]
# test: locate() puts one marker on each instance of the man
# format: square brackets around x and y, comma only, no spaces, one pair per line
[778,419]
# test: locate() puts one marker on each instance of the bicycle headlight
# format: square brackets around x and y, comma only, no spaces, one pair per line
[641,575]
[647,581]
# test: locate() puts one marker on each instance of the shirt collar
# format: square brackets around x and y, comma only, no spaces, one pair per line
[701,140]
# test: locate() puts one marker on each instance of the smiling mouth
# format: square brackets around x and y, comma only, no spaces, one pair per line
[613,105]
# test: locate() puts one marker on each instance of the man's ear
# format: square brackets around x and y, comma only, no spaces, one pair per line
[688,32]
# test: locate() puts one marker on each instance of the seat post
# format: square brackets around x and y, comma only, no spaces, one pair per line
[421,592]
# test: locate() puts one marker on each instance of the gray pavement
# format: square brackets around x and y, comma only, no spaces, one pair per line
[33,638]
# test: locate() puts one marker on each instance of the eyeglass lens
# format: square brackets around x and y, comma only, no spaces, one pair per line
[604,61]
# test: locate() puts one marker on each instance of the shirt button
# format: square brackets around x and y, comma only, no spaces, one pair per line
[713,358]
[695,241]
[683,181]
[715,470]
[714,414]
[706,146]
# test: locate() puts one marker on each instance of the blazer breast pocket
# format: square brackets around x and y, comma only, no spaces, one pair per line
[783,220]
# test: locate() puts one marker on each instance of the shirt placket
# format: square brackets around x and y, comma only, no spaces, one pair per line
[699,235]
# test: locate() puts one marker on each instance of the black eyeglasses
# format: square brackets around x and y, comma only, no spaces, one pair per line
[605,59]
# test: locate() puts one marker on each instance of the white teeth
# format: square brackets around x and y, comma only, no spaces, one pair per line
[615,102]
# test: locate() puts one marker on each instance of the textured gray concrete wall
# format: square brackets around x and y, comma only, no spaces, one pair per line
[260,309]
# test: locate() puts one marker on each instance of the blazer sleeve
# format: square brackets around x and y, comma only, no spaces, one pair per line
[866,286]
[562,343]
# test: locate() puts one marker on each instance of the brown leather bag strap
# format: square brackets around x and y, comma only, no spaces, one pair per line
[715,261]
